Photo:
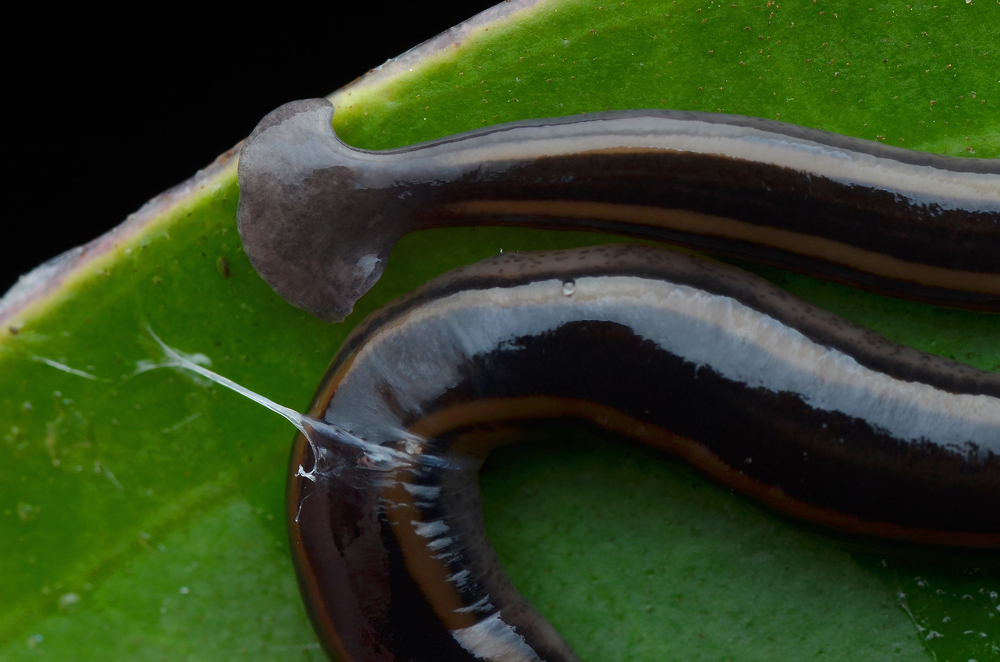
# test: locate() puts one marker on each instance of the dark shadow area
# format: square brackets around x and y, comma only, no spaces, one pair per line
[108,109]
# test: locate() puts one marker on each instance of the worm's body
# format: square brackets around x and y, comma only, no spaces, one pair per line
[810,414]
[794,406]
[318,218]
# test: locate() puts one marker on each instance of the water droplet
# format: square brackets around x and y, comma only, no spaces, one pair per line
[568,288]
[68,600]
[27,512]
[185,590]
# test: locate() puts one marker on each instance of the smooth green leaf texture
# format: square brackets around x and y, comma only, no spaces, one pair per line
[141,514]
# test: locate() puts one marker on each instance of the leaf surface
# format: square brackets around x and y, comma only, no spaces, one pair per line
[141,513]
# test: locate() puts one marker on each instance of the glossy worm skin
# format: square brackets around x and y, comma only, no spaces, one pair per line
[318,218]
[810,414]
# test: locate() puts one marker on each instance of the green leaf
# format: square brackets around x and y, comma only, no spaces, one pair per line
[141,513]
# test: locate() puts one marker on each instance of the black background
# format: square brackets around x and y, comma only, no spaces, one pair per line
[107,109]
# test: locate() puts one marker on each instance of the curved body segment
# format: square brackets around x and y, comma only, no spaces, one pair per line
[318,218]
[809,414]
